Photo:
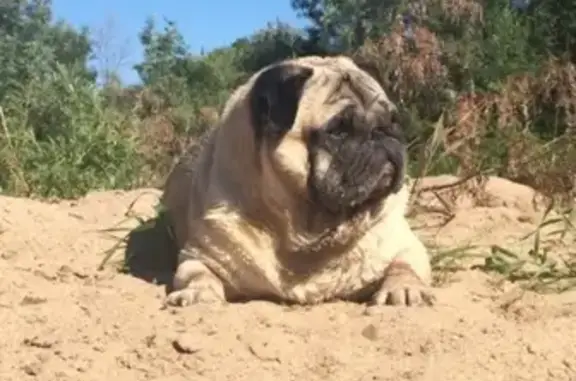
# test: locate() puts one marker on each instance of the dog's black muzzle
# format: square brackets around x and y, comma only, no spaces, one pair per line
[365,163]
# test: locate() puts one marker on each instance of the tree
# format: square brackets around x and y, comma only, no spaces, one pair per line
[275,42]
[344,25]
[31,44]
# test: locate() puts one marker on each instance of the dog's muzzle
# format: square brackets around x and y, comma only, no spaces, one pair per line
[352,167]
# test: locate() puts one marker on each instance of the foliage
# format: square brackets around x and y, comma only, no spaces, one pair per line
[491,83]
[57,137]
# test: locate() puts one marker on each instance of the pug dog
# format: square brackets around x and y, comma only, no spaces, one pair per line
[298,195]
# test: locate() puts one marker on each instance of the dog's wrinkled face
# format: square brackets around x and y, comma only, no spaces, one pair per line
[354,160]
[328,130]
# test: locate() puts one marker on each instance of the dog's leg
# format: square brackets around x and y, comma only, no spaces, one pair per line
[407,279]
[195,283]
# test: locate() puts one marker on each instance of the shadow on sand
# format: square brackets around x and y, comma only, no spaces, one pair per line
[151,253]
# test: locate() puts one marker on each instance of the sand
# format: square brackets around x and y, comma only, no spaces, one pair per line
[61,319]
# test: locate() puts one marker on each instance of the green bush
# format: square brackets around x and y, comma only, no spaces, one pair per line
[60,140]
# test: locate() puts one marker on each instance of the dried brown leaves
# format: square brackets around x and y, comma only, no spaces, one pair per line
[525,131]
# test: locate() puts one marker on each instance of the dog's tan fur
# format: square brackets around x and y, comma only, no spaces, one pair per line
[246,229]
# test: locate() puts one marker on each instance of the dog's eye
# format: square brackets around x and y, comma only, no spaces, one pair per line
[337,128]
[339,131]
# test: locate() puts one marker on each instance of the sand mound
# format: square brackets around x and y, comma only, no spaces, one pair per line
[63,320]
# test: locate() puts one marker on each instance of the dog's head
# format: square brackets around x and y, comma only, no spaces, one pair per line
[326,130]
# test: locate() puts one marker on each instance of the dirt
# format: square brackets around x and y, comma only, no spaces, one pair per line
[61,319]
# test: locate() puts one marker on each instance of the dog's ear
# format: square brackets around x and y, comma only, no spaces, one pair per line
[274,99]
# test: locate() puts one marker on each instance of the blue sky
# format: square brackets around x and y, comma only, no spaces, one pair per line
[204,24]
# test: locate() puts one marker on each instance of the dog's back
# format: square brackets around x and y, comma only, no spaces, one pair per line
[182,190]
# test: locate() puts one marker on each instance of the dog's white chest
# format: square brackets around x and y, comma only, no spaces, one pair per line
[338,283]
[346,276]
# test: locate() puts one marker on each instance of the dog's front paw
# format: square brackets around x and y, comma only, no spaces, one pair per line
[194,283]
[402,287]
[403,295]
[196,293]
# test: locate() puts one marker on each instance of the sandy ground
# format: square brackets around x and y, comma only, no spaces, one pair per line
[63,320]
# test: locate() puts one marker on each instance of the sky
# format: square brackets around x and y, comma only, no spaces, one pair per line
[206,24]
